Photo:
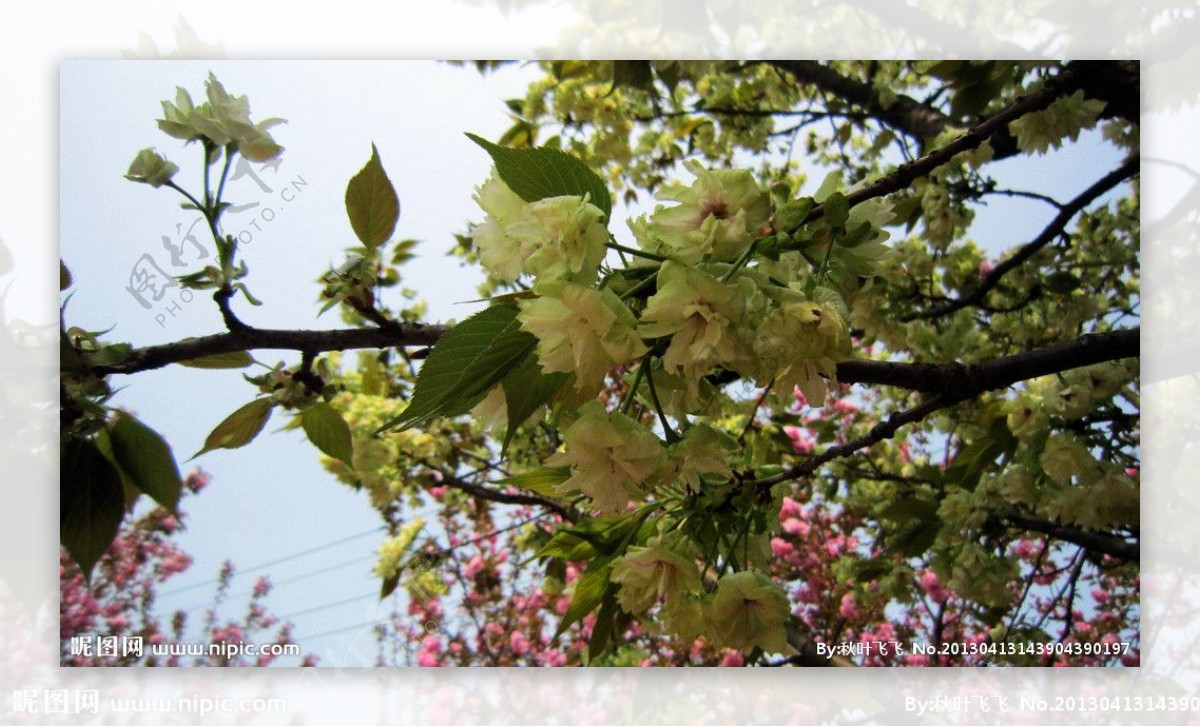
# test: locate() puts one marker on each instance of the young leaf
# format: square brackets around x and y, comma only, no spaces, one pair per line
[231,360]
[145,457]
[239,428]
[327,429]
[444,374]
[371,203]
[92,502]
[525,389]
[539,173]
[543,480]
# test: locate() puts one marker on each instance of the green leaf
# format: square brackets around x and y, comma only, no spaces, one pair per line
[567,546]
[610,622]
[68,358]
[64,275]
[543,480]
[327,429]
[146,458]
[632,74]
[388,585]
[110,355]
[589,592]
[1062,282]
[92,502]
[525,389]
[371,203]
[539,173]
[239,428]
[837,210]
[448,383]
[231,360]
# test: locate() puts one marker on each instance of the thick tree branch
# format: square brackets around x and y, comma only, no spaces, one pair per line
[1051,232]
[1115,82]
[1094,541]
[967,380]
[905,113]
[906,174]
[955,383]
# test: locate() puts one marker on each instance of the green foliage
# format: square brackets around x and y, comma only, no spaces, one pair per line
[231,360]
[540,173]
[239,428]
[372,204]
[327,429]
[92,502]
[146,460]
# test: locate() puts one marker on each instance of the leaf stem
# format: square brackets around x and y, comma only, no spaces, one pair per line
[637,381]
[642,285]
[672,437]
[636,253]
[742,260]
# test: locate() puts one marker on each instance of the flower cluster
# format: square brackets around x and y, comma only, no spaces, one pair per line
[222,122]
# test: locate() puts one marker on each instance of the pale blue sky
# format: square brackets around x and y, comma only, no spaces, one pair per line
[270,500]
[271,503]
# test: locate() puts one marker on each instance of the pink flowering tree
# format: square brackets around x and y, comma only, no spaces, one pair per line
[788,414]
[121,601]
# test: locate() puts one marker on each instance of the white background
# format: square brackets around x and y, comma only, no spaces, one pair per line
[34,42]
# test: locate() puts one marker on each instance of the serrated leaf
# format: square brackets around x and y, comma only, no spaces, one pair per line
[371,203]
[543,480]
[92,502]
[539,173]
[327,429]
[231,360]
[146,458]
[456,373]
[525,389]
[239,428]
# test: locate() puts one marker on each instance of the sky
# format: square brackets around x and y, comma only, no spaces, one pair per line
[271,508]
[270,504]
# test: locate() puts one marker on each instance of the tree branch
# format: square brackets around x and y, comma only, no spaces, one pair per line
[905,174]
[955,383]
[506,498]
[906,113]
[1051,232]
[1091,540]
[248,338]
[967,380]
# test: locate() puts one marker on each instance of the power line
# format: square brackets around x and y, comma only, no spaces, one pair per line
[277,561]
[342,602]
[287,581]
